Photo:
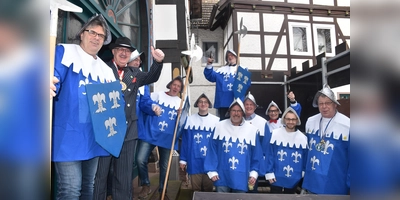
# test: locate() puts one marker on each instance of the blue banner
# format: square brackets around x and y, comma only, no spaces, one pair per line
[106,105]
[242,83]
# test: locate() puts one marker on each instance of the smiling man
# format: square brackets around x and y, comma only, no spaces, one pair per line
[328,132]
[235,152]
[131,78]
[287,155]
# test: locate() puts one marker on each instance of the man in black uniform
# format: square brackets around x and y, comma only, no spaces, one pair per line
[131,79]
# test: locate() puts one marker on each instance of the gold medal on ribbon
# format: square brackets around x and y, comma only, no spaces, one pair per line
[123,85]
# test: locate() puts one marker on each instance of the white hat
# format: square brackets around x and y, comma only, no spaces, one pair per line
[273,104]
[238,102]
[251,98]
[290,109]
[326,90]
[230,51]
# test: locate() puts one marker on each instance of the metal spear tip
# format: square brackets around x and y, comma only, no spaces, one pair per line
[195,52]
[65,5]
[242,31]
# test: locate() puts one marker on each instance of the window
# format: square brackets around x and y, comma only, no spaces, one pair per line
[325,40]
[300,38]
[210,49]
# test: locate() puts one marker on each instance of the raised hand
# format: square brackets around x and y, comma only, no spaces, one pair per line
[158,55]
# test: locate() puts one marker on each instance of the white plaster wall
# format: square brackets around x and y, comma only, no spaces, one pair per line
[280,64]
[270,41]
[251,63]
[275,0]
[164,79]
[343,2]
[323,19]
[299,1]
[272,22]
[299,17]
[165,22]
[324,2]
[250,44]
[344,24]
[250,20]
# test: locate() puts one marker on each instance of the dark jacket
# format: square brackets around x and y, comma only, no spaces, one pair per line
[134,78]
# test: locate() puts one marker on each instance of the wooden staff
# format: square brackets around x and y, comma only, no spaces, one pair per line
[176,128]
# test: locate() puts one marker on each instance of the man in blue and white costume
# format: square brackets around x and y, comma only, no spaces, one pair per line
[287,155]
[250,106]
[234,152]
[273,112]
[159,131]
[74,149]
[223,78]
[328,132]
[195,137]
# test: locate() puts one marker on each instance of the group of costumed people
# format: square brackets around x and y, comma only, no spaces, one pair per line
[230,151]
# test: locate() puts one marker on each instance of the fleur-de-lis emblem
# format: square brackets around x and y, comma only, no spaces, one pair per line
[83,83]
[313,161]
[288,169]
[229,86]
[208,135]
[204,149]
[172,113]
[240,87]
[312,141]
[114,96]
[242,146]
[197,137]
[296,155]
[163,124]
[233,160]
[110,123]
[239,76]
[281,153]
[246,78]
[327,146]
[161,112]
[226,144]
[226,76]
[99,98]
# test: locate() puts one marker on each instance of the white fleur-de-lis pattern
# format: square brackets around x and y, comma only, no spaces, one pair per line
[334,149]
[285,161]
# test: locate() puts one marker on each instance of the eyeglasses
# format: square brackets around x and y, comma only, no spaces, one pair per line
[320,104]
[273,111]
[235,111]
[291,119]
[121,49]
[94,34]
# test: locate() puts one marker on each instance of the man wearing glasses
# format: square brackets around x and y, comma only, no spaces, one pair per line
[75,152]
[131,78]
[234,152]
[273,112]
[328,132]
[195,137]
[287,153]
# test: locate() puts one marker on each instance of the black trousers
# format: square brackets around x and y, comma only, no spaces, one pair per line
[121,176]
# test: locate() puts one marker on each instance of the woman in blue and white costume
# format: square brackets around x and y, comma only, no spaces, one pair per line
[159,131]
[74,149]
[235,152]
[328,133]
[223,78]
[287,154]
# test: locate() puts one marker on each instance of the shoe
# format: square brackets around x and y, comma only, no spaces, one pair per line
[144,193]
